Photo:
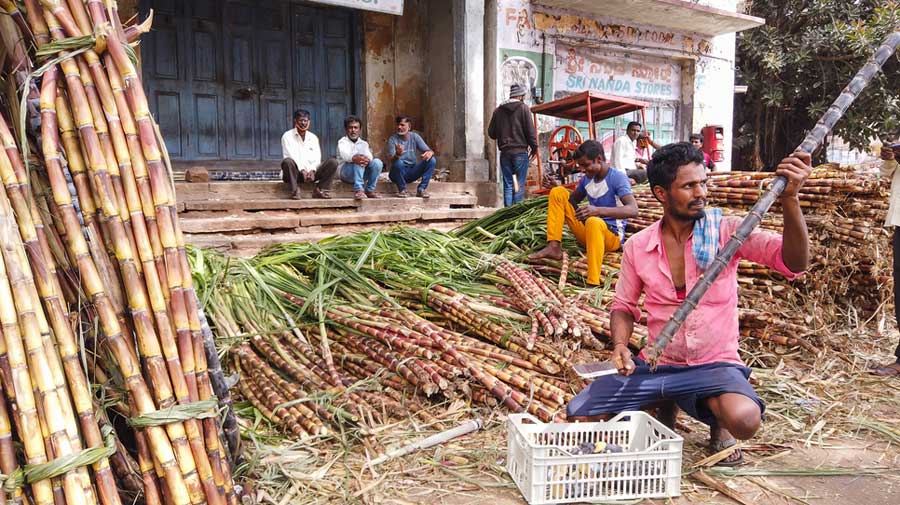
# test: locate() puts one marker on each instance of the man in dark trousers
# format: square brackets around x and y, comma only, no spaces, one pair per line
[891,175]
[700,370]
[513,128]
[302,159]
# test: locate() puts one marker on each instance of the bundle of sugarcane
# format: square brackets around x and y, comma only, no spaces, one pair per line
[108,252]
[546,305]
[844,212]
[367,358]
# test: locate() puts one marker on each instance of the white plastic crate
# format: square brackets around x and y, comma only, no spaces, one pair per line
[539,459]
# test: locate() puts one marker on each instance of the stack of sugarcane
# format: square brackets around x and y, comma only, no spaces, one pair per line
[844,210]
[359,329]
[94,270]
[353,356]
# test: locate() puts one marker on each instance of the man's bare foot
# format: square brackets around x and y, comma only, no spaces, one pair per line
[719,440]
[552,251]
[892,370]
[668,414]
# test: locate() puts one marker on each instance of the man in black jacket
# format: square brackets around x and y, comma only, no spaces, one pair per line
[512,127]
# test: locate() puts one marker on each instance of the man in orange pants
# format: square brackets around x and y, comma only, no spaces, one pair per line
[600,225]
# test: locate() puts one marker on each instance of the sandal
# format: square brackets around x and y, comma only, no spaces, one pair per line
[402,194]
[321,193]
[736,458]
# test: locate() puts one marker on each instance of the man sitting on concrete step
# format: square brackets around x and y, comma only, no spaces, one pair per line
[411,159]
[303,159]
[358,166]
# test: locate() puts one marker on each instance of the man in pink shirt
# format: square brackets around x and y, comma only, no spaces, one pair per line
[700,370]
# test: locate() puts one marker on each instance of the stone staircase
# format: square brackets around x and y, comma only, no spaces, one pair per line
[241,218]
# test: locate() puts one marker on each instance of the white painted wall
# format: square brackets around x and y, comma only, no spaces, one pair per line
[711,97]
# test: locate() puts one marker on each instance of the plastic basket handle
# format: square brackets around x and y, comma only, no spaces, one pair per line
[526,416]
[619,416]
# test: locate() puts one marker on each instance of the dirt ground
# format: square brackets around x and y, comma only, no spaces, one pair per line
[864,453]
[824,415]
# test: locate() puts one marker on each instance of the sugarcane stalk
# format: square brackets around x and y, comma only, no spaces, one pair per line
[17,309]
[812,141]
[439,438]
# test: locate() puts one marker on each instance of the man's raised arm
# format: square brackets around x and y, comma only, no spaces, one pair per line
[795,246]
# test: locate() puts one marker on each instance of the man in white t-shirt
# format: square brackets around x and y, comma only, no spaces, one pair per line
[303,159]
[627,156]
[358,165]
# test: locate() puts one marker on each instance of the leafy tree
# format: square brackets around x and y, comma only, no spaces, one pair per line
[798,63]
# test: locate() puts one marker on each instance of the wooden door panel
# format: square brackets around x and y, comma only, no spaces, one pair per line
[337,69]
[334,120]
[168,115]
[206,73]
[273,33]
[207,118]
[164,69]
[206,50]
[241,89]
[276,116]
[242,123]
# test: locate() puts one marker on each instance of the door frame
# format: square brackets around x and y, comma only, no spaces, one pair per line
[358,100]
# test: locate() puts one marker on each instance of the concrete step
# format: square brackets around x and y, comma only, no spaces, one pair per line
[338,219]
[218,222]
[248,245]
[202,191]
[248,222]
[393,203]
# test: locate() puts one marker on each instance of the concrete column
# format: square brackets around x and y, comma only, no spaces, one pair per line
[456,87]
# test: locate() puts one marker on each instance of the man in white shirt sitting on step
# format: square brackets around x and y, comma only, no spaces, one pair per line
[303,159]
[358,166]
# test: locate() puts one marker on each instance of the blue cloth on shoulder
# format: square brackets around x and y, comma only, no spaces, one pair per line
[706,238]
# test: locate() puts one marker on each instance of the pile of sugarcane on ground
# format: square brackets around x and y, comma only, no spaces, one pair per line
[849,277]
[353,331]
[356,330]
[108,395]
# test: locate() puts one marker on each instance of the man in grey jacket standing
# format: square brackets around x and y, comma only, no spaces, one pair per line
[513,128]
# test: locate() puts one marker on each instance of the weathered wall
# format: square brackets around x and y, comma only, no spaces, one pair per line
[395,70]
[617,57]
[439,101]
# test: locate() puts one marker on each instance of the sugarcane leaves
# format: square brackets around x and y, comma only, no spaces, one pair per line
[80,44]
[365,255]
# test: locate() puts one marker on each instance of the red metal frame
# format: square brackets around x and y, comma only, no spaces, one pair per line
[587,106]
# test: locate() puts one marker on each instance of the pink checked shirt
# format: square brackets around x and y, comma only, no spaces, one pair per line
[710,333]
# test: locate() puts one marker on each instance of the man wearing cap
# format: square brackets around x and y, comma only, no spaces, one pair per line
[513,129]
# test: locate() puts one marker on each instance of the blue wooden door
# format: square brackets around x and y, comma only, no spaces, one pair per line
[223,77]
[182,67]
[323,63]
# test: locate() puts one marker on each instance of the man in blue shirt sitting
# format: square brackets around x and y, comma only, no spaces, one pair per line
[406,148]
[600,225]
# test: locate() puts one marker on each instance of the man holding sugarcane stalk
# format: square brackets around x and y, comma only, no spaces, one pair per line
[700,371]
[684,254]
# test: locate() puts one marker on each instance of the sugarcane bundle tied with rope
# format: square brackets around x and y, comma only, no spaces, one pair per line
[95,287]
